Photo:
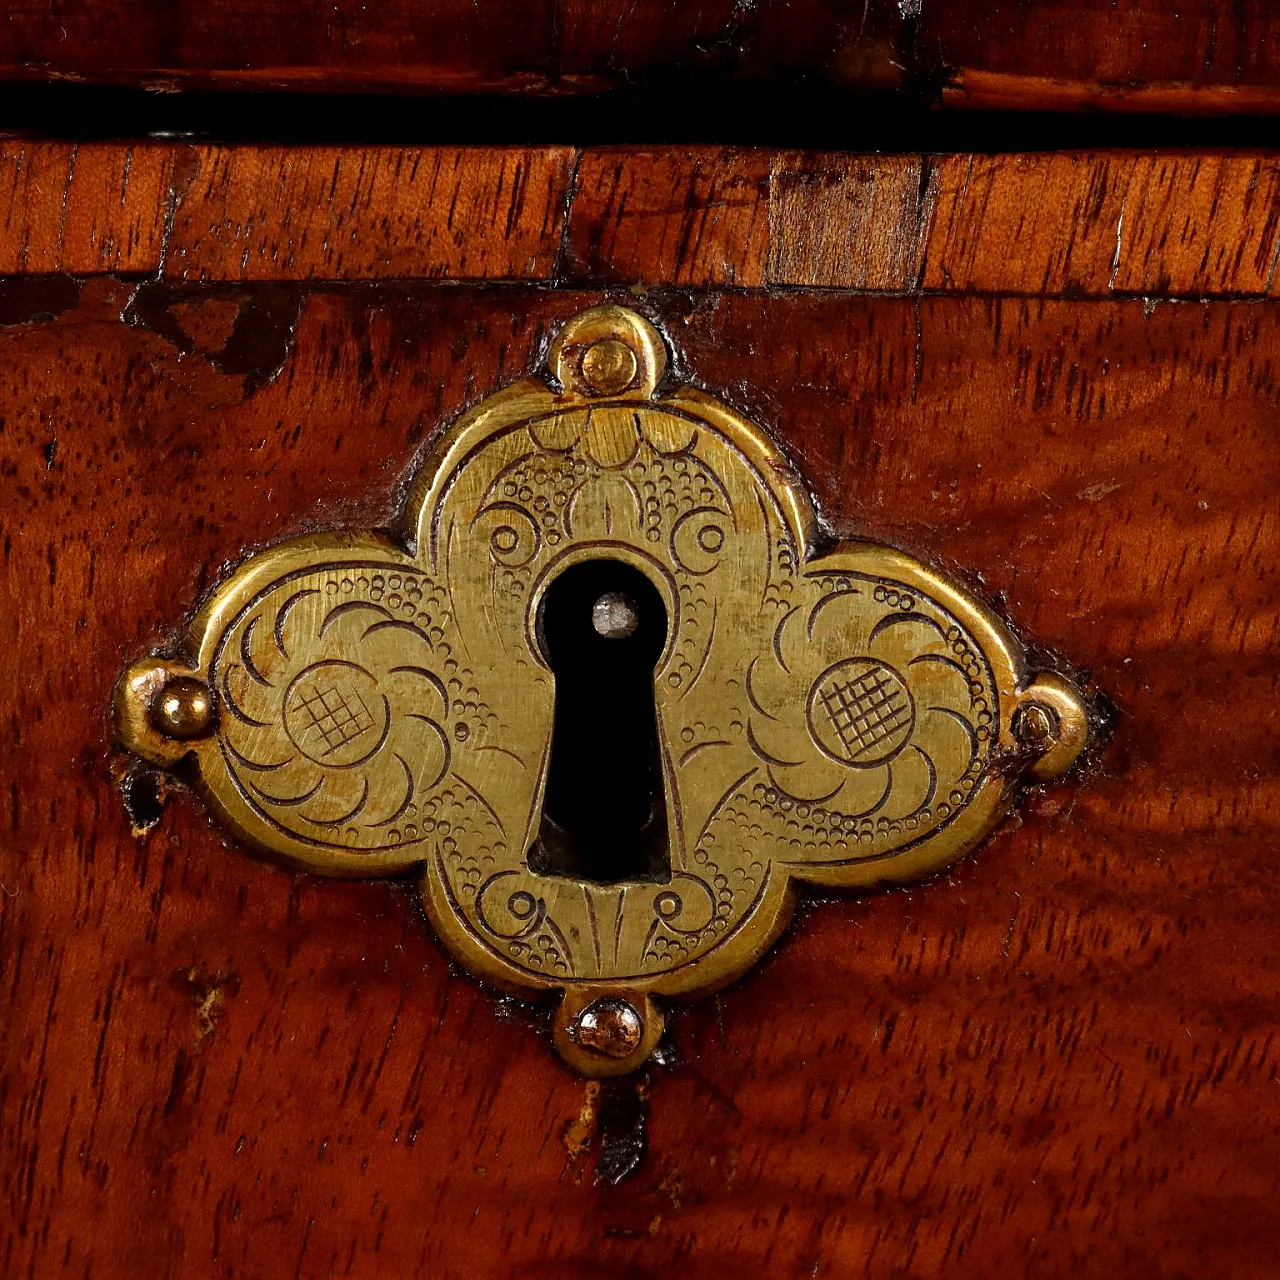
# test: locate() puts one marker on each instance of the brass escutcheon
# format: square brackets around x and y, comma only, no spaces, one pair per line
[842,716]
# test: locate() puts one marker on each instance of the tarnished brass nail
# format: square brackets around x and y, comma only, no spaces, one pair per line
[609,1027]
[1035,726]
[609,366]
[183,709]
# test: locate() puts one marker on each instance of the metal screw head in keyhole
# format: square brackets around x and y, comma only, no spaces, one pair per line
[614,615]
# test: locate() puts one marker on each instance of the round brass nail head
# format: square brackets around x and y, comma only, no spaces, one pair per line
[183,709]
[609,1027]
[1036,726]
[609,367]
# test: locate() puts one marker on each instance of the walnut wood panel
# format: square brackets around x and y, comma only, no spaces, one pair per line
[1069,224]
[1061,1059]
[253,213]
[1153,55]
[83,209]
[852,222]
[1115,222]
[270,213]
[687,216]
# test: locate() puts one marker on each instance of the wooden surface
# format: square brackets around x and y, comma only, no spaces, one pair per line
[1063,224]
[1062,1059]
[1214,56]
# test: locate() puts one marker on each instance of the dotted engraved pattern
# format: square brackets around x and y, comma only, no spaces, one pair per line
[809,719]
[788,811]
[756,645]
[592,481]
[363,659]
[347,716]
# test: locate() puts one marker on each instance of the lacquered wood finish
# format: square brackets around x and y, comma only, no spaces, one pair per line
[1206,56]
[1095,224]
[1061,1059]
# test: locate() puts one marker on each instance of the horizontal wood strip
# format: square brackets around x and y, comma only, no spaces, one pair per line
[82,209]
[1150,55]
[455,45]
[1208,223]
[1025,224]
[278,213]
[1061,224]
[974,88]
[267,213]
[1068,224]
[1104,223]
[684,216]
[1121,54]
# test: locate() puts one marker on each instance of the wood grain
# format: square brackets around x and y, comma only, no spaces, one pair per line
[654,215]
[1061,1059]
[450,46]
[1061,224]
[1154,55]
[487,45]
[851,222]
[1214,56]
[82,210]
[271,213]
[1027,224]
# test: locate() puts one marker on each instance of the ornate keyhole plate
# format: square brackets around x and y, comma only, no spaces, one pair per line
[360,706]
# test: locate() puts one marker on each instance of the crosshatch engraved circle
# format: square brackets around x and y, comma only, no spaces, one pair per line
[334,714]
[861,712]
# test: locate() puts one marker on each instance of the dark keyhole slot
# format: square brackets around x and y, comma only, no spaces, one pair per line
[603,627]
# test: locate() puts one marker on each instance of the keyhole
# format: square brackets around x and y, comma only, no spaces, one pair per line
[603,627]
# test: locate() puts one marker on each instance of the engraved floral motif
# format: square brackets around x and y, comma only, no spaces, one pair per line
[611,435]
[871,703]
[334,706]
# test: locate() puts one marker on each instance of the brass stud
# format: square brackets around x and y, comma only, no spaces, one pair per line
[183,709]
[1036,726]
[609,1027]
[609,367]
